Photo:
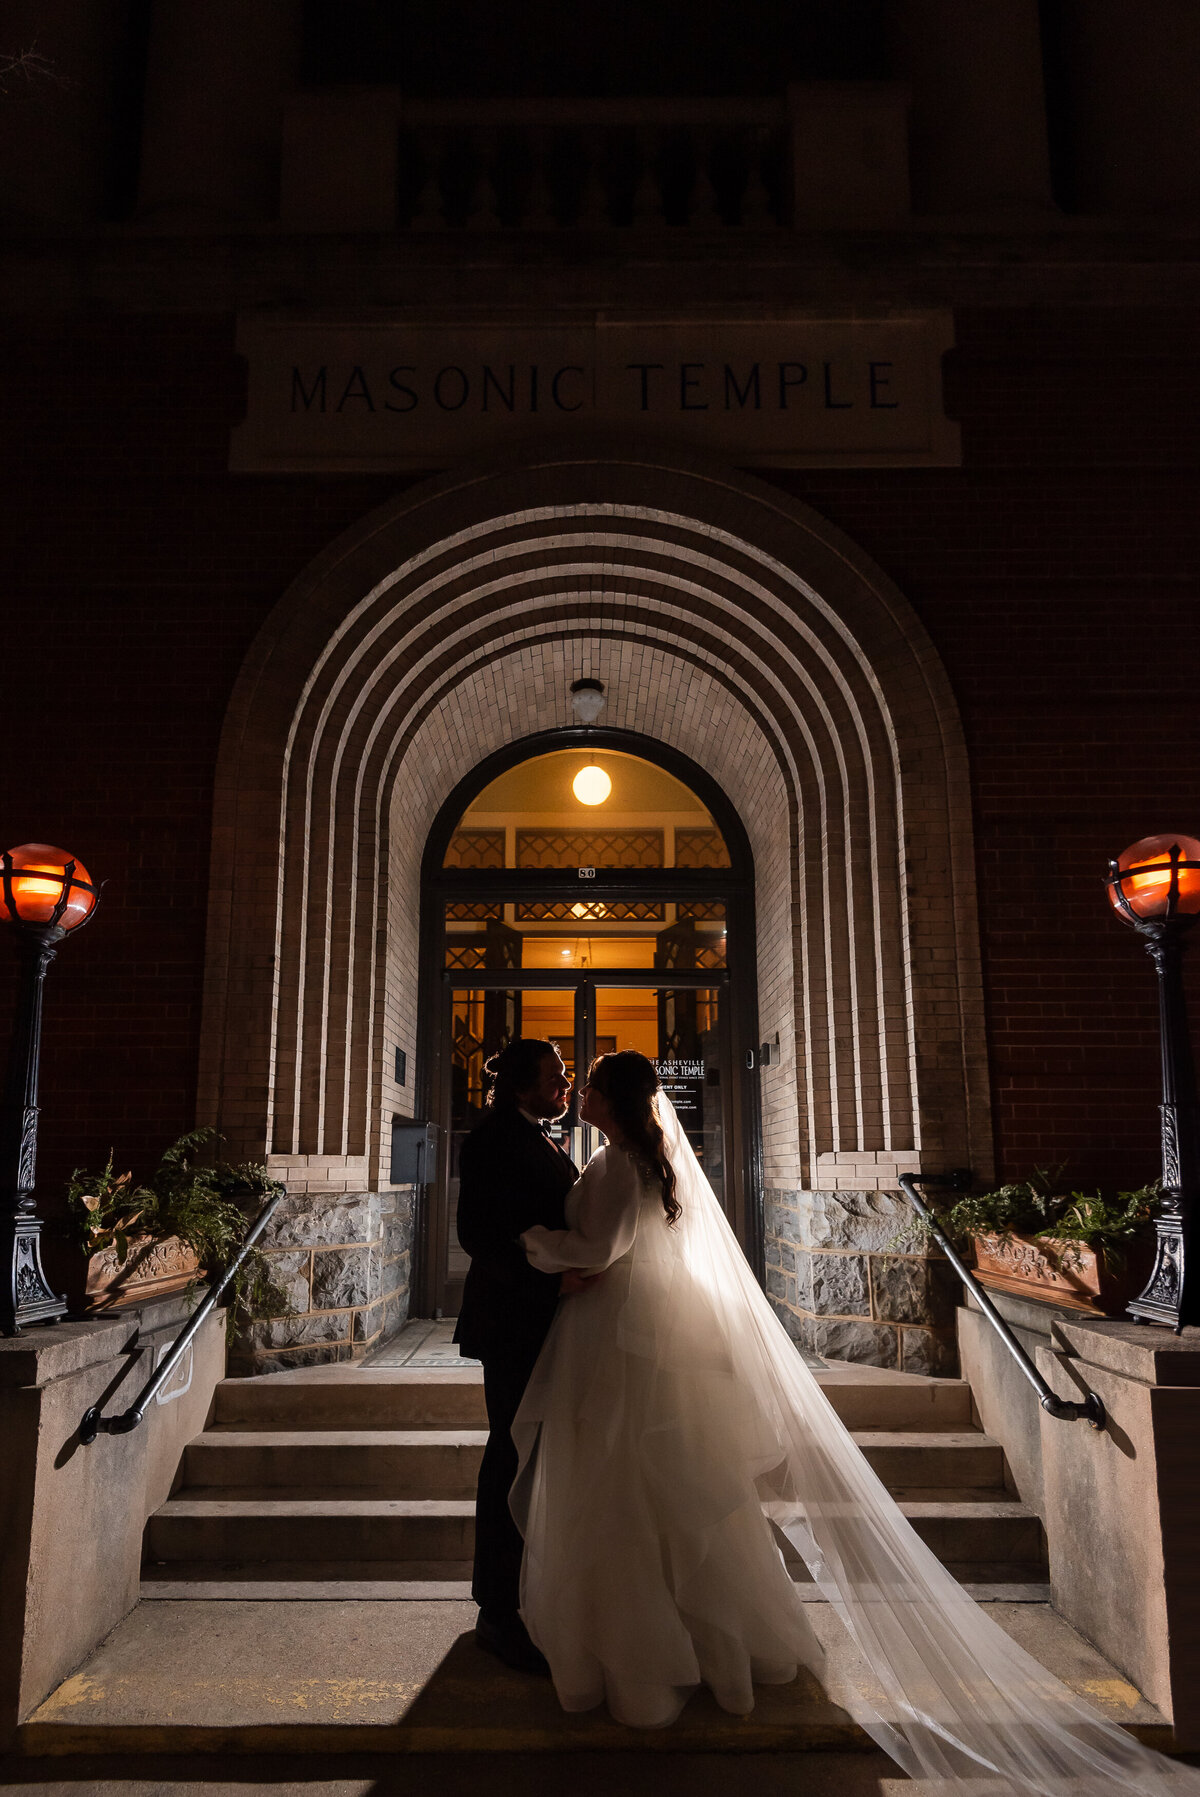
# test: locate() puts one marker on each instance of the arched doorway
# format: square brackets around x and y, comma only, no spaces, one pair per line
[622,919]
[729,625]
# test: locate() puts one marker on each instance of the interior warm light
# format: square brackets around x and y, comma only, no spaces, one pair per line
[591,786]
[33,881]
[1143,873]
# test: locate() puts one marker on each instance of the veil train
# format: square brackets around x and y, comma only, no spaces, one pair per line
[942,1689]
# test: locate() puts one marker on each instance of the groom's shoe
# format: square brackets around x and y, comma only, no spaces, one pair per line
[508,1639]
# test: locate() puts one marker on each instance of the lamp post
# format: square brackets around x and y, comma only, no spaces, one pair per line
[1154,886]
[44,894]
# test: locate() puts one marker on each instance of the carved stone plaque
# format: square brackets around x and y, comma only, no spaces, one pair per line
[383,393]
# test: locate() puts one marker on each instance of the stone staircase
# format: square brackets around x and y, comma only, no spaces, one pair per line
[349,1482]
[308,1595]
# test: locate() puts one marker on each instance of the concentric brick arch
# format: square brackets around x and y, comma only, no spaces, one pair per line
[725,621]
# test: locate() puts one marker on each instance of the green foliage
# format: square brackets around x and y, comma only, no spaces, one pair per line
[1109,1224]
[1024,1207]
[107,1208]
[1032,1207]
[200,1202]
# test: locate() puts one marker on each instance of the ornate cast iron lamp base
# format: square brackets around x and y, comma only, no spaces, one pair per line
[1161,1302]
[31,1299]
[26,1296]
[1162,913]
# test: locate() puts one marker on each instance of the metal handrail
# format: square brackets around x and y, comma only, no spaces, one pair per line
[1091,1408]
[94,1424]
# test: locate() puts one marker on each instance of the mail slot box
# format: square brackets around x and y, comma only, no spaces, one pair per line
[414,1152]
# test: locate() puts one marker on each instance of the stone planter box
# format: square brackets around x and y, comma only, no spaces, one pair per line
[1062,1273]
[151,1270]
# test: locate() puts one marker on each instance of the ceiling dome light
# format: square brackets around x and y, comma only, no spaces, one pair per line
[587,700]
[591,786]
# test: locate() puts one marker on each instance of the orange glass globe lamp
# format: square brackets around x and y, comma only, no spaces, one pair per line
[42,888]
[45,894]
[1156,880]
[1154,886]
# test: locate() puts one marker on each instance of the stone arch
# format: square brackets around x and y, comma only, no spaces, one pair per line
[727,621]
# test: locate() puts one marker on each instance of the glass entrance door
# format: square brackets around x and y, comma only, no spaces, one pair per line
[616,912]
[680,1027]
[482,1020]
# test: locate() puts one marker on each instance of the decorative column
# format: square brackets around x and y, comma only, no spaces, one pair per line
[849,144]
[216,77]
[1132,76]
[978,139]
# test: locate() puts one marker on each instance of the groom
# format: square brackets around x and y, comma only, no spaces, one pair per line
[511,1176]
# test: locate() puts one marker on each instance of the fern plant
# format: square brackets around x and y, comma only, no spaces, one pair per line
[1033,1208]
[1023,1207]
[191,1198]
[1107,1224]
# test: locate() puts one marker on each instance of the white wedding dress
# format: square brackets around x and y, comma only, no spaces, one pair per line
[668,1421]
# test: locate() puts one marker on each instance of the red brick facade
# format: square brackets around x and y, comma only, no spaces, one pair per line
[1055,572]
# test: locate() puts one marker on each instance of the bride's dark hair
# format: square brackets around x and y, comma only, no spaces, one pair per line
[628,1081]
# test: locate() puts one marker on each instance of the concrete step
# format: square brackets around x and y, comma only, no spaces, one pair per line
[265,1525]
[445,1462]
[380,1581]
[341,1398]
[877,1398]
[442,1463]
[285,1581]
[200,1584]
[282,1523]
[974,1527]
[271,1678]
[967,1530]
[930,1458]
[355,1397]
[310,1572]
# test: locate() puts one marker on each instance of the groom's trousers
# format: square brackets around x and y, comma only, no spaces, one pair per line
[496,1585]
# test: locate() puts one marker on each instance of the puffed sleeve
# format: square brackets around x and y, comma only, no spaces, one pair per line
[606,1213]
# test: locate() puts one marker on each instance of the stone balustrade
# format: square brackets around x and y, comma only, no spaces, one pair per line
[373,160]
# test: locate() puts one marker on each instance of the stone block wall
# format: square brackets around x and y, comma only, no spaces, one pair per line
[345,1261]
[852,1279]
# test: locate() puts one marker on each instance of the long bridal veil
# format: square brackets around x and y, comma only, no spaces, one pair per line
[941,1687]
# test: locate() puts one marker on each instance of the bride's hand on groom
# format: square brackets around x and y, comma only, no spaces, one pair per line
[574,1280]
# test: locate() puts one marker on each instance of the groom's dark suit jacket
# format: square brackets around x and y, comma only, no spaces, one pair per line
[511,1177]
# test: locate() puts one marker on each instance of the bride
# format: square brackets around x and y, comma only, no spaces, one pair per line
[668,1423]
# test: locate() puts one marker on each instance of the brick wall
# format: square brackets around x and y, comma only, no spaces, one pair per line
[1055,573]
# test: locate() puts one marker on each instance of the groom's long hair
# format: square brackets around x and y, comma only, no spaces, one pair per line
[515,1069]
